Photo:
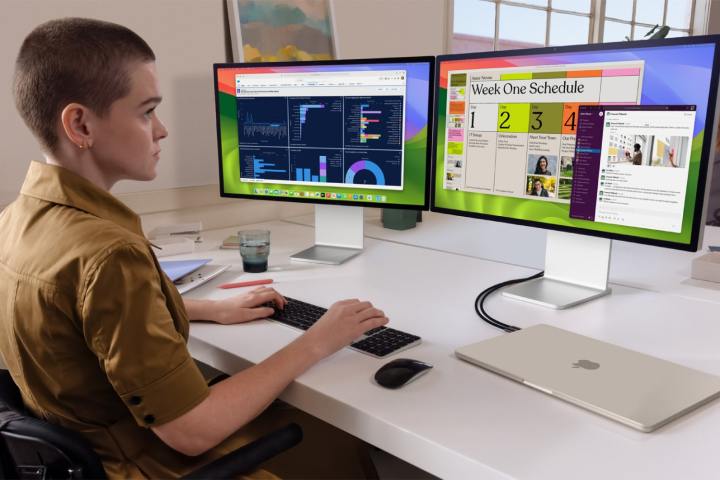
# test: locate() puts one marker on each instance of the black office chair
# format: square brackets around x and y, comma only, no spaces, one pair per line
[34,449]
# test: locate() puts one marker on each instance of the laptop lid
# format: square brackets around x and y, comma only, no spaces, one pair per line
[635,389]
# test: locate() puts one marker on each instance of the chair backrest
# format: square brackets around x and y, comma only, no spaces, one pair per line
[31,448]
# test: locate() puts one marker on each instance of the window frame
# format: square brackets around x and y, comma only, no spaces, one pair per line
[633,23]
[699,14]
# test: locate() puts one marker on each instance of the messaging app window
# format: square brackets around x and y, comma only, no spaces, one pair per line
[631,165]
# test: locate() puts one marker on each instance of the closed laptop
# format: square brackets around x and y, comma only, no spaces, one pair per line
[639,390]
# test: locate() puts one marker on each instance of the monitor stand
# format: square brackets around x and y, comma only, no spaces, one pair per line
[338,235]
[576,270]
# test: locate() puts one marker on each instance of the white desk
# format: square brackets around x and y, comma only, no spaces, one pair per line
[460,421]
[641,266]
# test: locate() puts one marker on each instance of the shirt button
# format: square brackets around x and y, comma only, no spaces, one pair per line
[135,400]
[149,419]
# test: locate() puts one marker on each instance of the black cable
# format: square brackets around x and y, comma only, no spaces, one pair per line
[480,300]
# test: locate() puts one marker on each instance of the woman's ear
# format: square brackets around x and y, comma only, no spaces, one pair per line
[75,120]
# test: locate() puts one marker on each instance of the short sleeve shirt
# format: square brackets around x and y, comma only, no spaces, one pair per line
[92,331]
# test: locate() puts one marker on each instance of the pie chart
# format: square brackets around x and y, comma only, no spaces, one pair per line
[365,166]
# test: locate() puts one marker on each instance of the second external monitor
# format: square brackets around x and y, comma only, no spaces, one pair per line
[605,140]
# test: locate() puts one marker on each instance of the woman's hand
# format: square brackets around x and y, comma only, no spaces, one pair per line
[247,306]
[344,322]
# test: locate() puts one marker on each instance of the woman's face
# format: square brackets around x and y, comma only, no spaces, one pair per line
[543,164]
[126,141]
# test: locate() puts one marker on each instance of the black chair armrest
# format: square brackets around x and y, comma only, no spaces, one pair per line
[248,457]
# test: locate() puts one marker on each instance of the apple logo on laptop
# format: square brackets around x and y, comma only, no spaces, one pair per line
[586,364]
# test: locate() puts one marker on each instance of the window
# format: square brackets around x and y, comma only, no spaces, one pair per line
[635,18]
[486,25]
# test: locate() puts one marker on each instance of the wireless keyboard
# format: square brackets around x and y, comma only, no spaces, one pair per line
[378,342]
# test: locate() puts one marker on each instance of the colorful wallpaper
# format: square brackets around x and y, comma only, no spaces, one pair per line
[415,148]
[673,75]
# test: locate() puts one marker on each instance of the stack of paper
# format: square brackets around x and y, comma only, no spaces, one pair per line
[231,243]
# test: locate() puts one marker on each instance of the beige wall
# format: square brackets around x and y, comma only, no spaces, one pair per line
[713,17]
[186,35]
[389,28]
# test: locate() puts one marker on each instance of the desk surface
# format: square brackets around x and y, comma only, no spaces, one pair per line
[460,421]
[633,265]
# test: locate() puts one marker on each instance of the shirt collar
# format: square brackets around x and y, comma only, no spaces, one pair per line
[61,186]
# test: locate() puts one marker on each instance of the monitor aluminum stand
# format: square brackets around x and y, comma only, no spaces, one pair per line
[338,235]
[576,271]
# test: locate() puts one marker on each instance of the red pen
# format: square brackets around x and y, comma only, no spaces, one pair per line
[249,283]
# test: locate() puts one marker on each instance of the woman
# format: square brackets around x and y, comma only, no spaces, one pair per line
[541,167]
[106,332]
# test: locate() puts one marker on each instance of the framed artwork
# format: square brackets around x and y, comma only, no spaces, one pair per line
[281,30]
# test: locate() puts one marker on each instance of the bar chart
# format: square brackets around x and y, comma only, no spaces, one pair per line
[305,174]
[315,122]
[269,164]
[316,165]
[374,122]
[366,121]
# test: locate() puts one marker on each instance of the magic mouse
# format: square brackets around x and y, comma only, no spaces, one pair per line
[400,371]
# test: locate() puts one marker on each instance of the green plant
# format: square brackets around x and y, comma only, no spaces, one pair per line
[653,34]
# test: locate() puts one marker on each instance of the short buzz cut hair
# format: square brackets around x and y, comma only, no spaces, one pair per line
[73,60]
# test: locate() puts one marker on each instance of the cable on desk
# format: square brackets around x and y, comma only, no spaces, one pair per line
[480,301]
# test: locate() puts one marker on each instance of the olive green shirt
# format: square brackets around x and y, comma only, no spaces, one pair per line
[92,331]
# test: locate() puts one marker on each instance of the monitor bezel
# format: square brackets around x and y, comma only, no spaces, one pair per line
[354,61]
[711,119]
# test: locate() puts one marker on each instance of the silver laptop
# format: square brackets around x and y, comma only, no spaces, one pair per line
[638,390]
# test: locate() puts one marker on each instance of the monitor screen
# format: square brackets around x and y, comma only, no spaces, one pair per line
[609,140]
[348,132]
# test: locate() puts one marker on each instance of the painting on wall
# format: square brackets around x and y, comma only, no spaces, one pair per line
[281,30]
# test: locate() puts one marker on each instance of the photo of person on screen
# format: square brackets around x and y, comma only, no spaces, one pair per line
[538,190]
[637,155]
[541,166]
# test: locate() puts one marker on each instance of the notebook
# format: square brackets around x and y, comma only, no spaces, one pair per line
[200,276]
[635,389]
[188,274]
[176,269]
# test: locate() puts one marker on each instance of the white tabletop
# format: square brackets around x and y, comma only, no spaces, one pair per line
[460,421]
[634,265]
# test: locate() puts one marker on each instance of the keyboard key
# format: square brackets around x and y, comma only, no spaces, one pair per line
[374,331]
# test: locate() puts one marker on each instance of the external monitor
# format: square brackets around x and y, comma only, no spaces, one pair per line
[340,134]
[592,143]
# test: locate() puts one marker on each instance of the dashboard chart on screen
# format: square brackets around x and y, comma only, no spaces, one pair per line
[291,131]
